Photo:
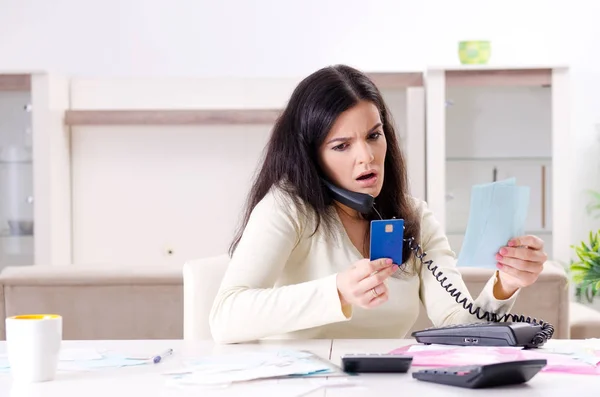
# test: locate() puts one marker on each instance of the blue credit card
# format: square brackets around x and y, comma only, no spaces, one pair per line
[387,238]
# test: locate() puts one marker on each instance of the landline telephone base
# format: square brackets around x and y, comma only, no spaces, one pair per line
[503,330]
[482,334]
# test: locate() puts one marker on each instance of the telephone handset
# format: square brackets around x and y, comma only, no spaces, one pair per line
[361,202]
[517,330]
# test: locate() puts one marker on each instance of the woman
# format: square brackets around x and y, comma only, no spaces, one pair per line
[298,264]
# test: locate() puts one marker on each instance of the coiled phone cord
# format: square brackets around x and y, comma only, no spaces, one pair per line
[540,337]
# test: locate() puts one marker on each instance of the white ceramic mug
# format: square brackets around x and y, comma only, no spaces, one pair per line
[33,346]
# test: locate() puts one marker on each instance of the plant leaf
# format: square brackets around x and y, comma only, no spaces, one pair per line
[585,271]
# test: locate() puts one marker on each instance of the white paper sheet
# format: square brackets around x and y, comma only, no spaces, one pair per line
[295,387]
[231,368]
[580,352]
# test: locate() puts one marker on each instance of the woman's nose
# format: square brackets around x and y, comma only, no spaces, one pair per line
[365,154]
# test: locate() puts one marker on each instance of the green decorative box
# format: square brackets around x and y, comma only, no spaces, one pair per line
[474,52]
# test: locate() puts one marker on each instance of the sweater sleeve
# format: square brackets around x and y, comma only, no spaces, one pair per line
[442,308]
[248,305]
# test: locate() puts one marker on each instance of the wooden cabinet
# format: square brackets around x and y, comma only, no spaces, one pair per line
[159,168]
[458,127]
[35,213]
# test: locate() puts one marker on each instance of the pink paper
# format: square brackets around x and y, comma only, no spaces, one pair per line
[471,355]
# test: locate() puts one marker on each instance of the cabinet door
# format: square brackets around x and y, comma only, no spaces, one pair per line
[16,179]
[533,174]
[461,175]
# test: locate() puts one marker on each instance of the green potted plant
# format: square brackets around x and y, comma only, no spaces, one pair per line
[586,269]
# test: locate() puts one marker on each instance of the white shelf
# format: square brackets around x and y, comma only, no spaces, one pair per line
[501,159]
[492,67]
[15,82]
[15,162]
[485,146]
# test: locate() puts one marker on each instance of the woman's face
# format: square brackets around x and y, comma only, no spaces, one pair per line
[353,153]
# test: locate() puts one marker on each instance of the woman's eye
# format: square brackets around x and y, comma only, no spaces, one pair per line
[340,147]
[375,135]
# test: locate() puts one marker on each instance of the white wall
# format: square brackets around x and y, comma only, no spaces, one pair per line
[268,37]
[273,38]
[585,117]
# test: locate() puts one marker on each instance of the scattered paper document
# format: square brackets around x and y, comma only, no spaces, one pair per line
[480,355]
[271,387]
[111,360]
[231,368]
[497,213]
[587,350]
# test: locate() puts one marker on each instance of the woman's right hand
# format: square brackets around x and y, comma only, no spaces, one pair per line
[363,283]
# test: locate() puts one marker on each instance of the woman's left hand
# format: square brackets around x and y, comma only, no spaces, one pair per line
[520,262]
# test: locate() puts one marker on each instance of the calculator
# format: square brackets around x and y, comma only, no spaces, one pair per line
[483,376]
[376,363]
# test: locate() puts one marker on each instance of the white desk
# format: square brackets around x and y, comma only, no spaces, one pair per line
[148,381]
[383,385]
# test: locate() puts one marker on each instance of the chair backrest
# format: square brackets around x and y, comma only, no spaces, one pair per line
[201,281]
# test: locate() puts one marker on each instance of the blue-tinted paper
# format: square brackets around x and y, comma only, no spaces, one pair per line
[497,214]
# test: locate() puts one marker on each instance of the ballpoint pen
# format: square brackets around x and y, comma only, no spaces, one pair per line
[158,358]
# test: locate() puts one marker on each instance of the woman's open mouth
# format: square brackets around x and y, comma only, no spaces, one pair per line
[367,180]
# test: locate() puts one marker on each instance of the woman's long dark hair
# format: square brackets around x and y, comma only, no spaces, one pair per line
[290,162]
